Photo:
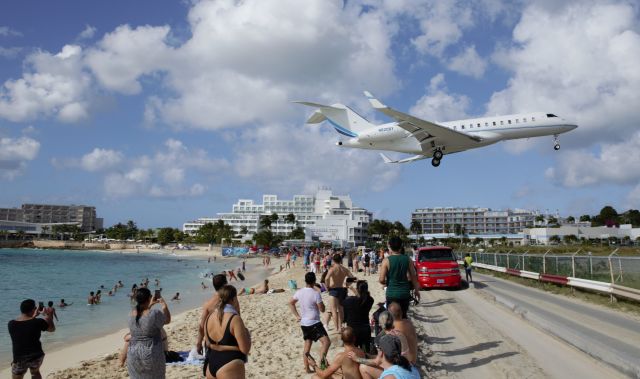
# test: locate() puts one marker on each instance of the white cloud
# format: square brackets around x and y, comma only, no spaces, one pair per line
[10,52]
[468,62]
[169,172]
[6,31]
[440,105]
[53,85]
[281,158]
[14,155]
[122,56]
[575,59]
[88,32]
[617,163]
[101,159]
[246,60]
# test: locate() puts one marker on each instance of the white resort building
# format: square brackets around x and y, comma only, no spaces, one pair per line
[324,217]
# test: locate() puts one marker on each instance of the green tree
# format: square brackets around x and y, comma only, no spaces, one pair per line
[244,231]
[554,239]
[297,234]
[290,218]
[166,235]
[569,239]
[416,227]
[447,228]
[398,229]
[264,237]
[178,235]
[206,233]
[585,218]
[571,220]
[539,218]
[552,221]
[274,217]
[265,222]
[608,216]
[45,230]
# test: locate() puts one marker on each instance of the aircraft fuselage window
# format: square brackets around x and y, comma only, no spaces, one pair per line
[486,124]
[461,126]
[478,125]
[533,118]
[509,122]
[517,120]
[501,122]
[494,123]
[524,119]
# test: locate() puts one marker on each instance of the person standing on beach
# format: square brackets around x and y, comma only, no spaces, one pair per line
[25,333]
[209,307]
[309,317]
[336,277]
[145,355]
[356,315]
[399,275]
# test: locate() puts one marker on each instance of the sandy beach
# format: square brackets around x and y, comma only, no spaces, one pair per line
[276,339]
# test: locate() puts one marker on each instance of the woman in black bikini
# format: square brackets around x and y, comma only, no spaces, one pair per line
[228,341]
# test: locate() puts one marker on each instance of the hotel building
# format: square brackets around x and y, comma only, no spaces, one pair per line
[81,215]
[473,220]
[324,217]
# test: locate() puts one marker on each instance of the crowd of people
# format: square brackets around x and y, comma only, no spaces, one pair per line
[392,353]
[378,344]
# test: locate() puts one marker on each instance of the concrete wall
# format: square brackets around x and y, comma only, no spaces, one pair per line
[46,244]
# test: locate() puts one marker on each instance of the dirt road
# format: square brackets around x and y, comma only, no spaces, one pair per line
[466,334]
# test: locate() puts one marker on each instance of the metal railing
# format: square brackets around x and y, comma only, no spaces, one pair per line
[614,269]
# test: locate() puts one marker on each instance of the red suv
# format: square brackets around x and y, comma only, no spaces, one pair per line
[437,266]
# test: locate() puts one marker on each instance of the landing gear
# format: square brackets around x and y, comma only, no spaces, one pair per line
[435,162]
[556,143]
[437,154]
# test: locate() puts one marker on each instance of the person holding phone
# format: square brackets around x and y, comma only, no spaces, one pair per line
[145,355]
[25,333]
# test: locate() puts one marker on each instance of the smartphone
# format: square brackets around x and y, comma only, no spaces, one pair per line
[157,294]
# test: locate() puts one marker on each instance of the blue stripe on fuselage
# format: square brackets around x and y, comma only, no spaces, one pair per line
[341,130]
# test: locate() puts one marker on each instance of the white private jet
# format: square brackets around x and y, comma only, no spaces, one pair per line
[427,139]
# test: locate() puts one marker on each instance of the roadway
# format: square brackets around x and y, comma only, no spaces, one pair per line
[500,329]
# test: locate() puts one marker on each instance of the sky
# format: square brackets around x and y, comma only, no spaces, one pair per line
[163,112]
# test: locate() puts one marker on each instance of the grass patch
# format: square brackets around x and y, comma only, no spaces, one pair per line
[621,304]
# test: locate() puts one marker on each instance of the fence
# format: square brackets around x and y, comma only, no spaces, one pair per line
[618,275]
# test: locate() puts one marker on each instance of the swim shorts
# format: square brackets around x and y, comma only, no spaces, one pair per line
[339,292]
[313,332]
[21,367]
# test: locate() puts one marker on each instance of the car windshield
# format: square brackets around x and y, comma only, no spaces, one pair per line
[436,255]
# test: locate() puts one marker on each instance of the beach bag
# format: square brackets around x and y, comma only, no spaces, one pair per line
[240,276]
[293,285]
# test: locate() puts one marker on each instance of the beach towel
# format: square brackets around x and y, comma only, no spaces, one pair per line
[293,285]
[191,358]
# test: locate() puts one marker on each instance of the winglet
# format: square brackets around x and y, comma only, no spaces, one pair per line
[377,104]
[387,159]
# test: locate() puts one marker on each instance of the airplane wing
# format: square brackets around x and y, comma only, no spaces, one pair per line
[411,159]
[424,131]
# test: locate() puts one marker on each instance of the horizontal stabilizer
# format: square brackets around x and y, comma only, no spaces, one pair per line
[406,160]
[316,118]
[315,105]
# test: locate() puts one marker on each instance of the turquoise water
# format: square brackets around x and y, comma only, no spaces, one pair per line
[45,275]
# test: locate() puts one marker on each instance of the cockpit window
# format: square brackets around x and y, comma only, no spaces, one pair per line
[551,115]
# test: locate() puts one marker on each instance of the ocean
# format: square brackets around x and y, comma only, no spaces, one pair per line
[45,275]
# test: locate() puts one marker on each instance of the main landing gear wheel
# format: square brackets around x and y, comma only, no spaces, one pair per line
[435,162]
[437,155]
[556,146]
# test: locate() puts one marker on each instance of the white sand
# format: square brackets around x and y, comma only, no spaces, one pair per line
[276,337]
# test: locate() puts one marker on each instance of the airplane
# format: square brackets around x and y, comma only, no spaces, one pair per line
[429,139]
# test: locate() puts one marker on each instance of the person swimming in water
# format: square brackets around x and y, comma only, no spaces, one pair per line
[63,304]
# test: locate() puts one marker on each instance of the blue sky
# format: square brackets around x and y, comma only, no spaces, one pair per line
[165,112]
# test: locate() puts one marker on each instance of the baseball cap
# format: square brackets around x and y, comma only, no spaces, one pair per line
[390,345]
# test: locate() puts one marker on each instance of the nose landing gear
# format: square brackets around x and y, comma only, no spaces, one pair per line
[556,143]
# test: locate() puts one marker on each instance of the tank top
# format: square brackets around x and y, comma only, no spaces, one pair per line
[398,286]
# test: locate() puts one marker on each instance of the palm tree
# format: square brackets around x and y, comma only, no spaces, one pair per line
[44,230]
[290,218]
[416,227]
[265,222]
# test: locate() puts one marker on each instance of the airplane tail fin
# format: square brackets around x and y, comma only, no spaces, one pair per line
[344,119]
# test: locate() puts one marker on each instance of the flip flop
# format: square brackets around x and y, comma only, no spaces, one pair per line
[310,358]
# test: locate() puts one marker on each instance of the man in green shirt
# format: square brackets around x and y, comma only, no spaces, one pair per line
[468,260]
[399,275]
